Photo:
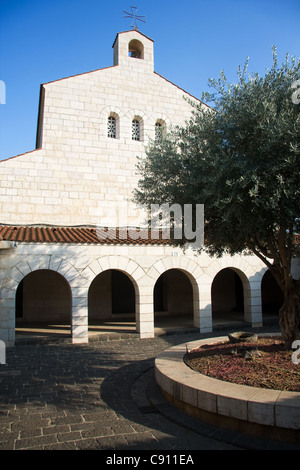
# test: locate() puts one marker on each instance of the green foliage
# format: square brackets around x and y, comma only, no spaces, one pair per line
[240,159]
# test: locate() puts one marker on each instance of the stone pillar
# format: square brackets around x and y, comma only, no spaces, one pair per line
[145,321]
[7,311]
[205,317]
[79,320]
[255,316]
[145,309]
[7,321]
[205,307]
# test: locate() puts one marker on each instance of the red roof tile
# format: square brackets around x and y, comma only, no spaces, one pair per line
[76,235]
[79,235]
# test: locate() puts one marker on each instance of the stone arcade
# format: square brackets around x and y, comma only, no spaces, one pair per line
[53,267]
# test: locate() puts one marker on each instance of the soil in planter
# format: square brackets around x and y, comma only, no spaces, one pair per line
[272,368]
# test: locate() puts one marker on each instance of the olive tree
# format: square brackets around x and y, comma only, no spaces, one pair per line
[240,157]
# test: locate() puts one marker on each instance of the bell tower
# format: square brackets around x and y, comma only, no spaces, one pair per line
[132,48]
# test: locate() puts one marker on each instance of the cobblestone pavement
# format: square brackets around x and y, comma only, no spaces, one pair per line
[97,396]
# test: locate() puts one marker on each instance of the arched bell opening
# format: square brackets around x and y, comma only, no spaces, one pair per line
[136,49]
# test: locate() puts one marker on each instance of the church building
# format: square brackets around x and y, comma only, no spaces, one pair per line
[55,267]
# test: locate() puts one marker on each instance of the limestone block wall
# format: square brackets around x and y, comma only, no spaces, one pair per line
[79,175]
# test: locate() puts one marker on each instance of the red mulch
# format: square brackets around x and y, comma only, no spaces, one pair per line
[273,369]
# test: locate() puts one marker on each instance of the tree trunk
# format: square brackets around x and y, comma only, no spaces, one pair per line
[289,314]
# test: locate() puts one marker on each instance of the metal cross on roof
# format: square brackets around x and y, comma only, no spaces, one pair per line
[134,17]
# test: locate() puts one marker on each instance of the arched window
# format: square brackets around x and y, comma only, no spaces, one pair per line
[111,127]
[159,130]
[136,131]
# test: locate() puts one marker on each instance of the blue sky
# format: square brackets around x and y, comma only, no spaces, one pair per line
[44,40]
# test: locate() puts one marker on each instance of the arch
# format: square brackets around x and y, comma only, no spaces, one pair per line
[119,262]
[137,128]
[141,118]
[173,299]
[54,263]
[239,263]
[160,127]
[230,295]
[105,114]
[111,296]
[113,127]
[128,267]
[136,49]
[20,270]
[186,266]
[111,110]
[43,296]
[136,132]
[164,120]
[272,297]
[189,266]
[162,124]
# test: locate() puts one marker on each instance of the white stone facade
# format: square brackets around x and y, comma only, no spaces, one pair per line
[80,176]
[142,264]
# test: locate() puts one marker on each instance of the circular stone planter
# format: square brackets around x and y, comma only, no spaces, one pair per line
[262,412]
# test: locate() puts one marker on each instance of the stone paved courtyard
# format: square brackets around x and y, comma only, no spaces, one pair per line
[98,396]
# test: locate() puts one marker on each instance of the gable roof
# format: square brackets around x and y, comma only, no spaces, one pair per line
[130,31]
[42,92]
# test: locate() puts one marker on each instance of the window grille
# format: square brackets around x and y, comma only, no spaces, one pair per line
[135,130]
[111,127]
[158,131]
